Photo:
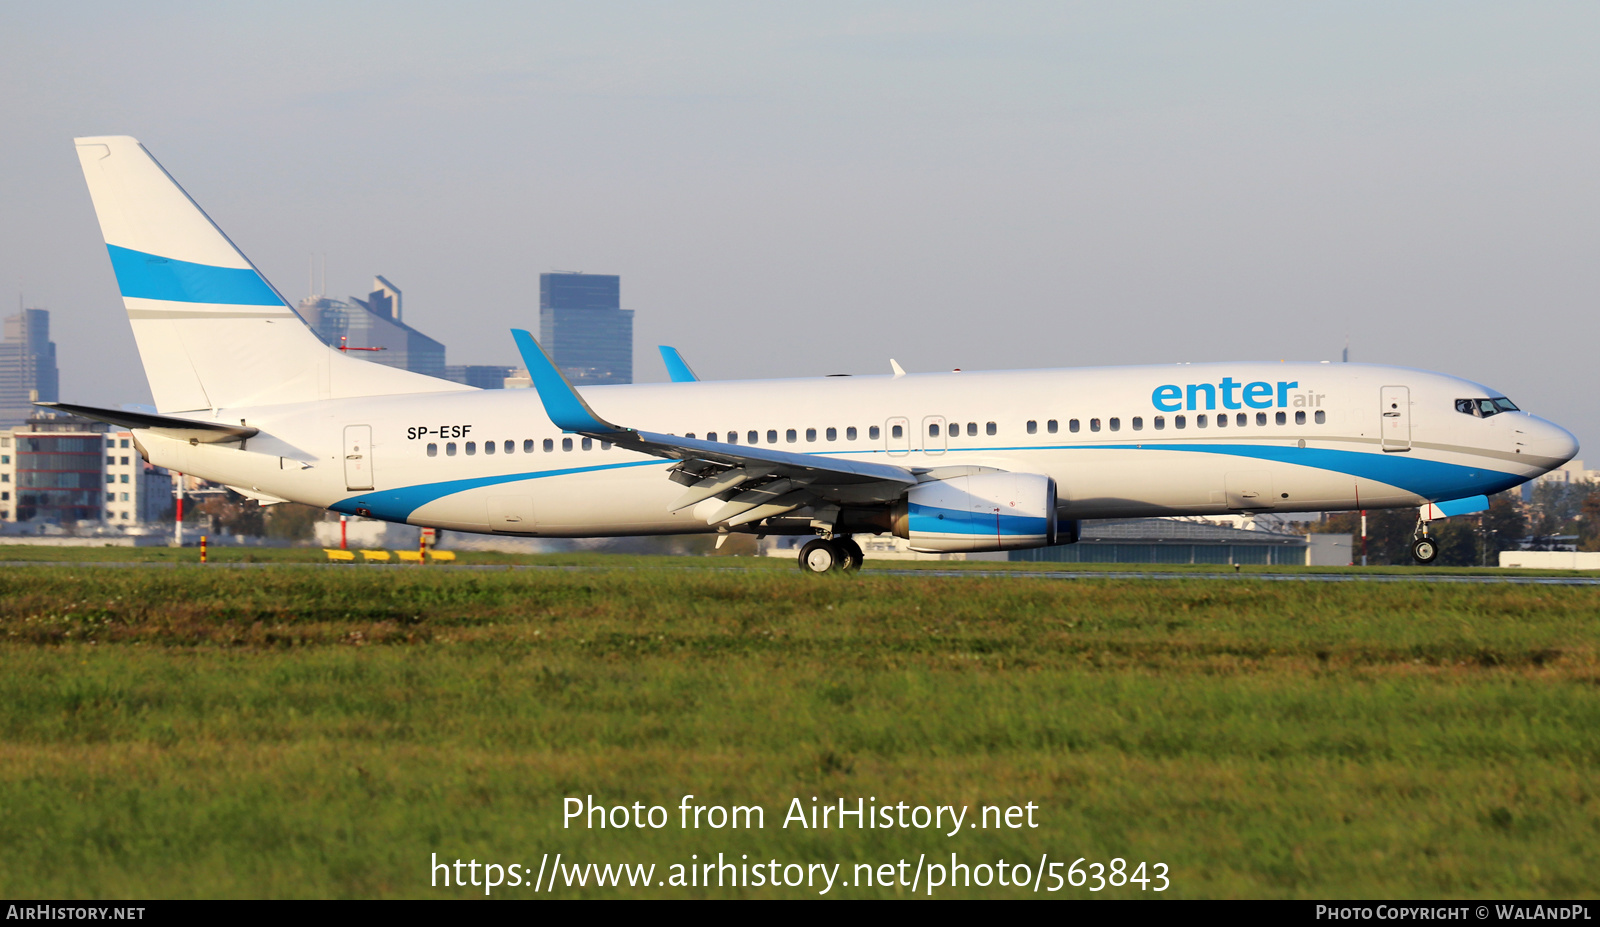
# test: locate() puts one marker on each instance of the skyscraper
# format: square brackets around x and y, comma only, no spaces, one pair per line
[584,327]
[27,366]
[374,323]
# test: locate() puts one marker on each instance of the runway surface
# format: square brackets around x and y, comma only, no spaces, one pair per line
[1475,579]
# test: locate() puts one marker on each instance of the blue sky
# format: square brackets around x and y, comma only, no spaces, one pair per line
[813,188]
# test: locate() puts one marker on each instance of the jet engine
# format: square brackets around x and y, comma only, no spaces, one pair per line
[983,511]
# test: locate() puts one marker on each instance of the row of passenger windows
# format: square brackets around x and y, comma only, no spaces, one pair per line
[510,447]
[1159,422]
[953,430]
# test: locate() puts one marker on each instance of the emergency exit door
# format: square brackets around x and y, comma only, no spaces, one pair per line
[1396,403]
[357,457]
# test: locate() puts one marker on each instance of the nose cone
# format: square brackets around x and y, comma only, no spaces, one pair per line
[1550,441]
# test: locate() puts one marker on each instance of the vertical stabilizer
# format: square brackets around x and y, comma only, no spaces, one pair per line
[212,333]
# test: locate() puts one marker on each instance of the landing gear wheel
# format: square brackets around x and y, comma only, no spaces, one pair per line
[1424,550]
[853,557]
[820,556]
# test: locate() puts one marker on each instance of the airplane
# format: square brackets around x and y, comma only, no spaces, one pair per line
[246,395]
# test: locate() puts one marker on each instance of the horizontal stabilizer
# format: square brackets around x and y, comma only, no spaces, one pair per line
[203,432]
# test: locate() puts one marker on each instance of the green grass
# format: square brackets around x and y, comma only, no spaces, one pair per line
[319,732]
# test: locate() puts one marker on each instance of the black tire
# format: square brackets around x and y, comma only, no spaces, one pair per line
[1425,550]
[853,557]
[819,556]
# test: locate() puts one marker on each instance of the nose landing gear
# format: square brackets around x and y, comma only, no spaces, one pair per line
[825,555]
[1423,548]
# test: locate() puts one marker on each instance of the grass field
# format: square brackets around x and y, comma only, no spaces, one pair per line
[296,731]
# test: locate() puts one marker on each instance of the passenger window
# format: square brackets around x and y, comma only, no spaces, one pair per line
[690,436]
[1072,426]
[1161,422]
[549,445]
[733,437]
[472,448]
[1094,424]
[933,429]
[753,437]
[1282,418]
[1033,427]
[1179,422]
[1321,417]
[1222,420]
[1050,426]
[527,446]
[898,432]
[850,433]
[588,444]
[989,428]
[772,436]
[790,436]
[833,434]
[811,434]
[433,450]
[1261,418]
[1138,423]
[566,444]
[488,447]
[450,449]
[872,433]
[1241,419]
[605,445]
[1299,418]
[972,429]
[1200,421]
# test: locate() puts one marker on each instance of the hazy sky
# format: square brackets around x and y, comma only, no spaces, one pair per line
[813,188]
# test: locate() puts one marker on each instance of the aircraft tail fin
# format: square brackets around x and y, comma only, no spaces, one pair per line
[212,332]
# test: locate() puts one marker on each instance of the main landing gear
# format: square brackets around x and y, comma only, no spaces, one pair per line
[1423,548]
[824,555]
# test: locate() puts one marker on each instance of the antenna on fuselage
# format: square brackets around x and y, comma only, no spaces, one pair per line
[1346,350]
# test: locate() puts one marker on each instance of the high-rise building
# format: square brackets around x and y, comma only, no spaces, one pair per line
[584,327]
[27,366]
[483,376]
[375,328]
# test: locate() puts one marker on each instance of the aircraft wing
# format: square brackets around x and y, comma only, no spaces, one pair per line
[753,482]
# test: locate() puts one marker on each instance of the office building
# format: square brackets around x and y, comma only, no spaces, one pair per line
[483,376]
[27,366]
[62,470]
[374,329]
[585,329]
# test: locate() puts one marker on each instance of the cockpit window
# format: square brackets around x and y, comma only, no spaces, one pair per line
[1483,408]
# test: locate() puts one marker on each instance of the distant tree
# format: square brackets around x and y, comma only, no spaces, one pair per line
[231,513]
[1589,522]
[1504,523]
[291,521]
[1555,507]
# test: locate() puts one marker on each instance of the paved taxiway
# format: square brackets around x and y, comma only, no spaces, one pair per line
[1475,579]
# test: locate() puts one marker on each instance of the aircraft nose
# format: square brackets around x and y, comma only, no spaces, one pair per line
[1547,439]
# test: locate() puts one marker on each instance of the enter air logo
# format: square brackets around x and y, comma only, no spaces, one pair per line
[1234,395]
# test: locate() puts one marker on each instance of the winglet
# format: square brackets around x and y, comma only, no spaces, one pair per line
[899,371]
[566,408]
[676,368]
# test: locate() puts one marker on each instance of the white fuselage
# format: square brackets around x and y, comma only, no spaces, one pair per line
[1314,437]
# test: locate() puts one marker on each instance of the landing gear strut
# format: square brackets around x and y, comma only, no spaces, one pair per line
[824,555]
[1423,548]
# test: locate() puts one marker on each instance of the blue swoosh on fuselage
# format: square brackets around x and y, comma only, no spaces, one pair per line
[1431,479]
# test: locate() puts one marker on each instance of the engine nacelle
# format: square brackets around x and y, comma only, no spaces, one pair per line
[984,511]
